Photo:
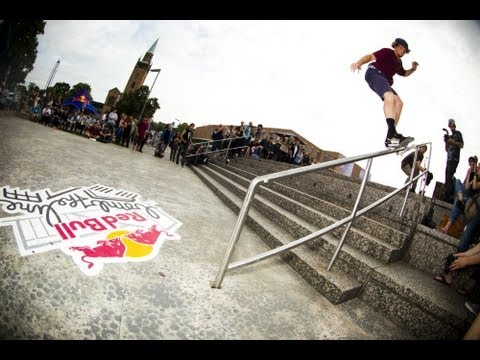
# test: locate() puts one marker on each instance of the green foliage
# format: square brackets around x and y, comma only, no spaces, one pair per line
[157,126]
[18,48]
[75,89]
[60,91]
[33,88]
[133,102]
[182,127]
[32,92]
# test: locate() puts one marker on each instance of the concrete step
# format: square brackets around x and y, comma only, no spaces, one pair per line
[298,218]
[373,227]
[405,294]
[411,298]
[342,190]
[335,285]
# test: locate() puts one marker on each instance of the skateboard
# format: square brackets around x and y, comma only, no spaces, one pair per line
[403,144]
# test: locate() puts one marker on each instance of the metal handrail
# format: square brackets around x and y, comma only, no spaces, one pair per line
[224,266]
[218,151]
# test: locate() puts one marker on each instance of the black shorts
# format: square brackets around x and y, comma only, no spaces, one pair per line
[377,82]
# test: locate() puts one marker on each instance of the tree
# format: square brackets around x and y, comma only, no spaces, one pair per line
[60,90]
[18,49]
[33,93]
[157,126]
[182,127]
[132,103]
[77,88]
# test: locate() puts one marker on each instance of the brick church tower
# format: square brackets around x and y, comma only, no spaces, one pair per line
[141,70]
[136,80]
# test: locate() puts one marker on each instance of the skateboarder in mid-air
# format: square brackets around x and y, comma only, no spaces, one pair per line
[384,64]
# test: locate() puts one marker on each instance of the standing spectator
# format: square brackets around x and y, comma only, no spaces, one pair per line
[174,146]
[104,118]
[453,144]
[127,131]
[259,132]
[120,128]
[112,117]
[142,134]
[3,96]
[217,137]
[185,142]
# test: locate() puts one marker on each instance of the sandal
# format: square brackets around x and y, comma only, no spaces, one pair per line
[442,230]
[441,279]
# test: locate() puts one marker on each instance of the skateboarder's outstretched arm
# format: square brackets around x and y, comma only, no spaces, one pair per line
[363,60]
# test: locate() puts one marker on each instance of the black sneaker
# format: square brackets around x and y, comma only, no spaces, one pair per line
[396,140]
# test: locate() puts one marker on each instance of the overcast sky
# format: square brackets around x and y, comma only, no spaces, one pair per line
[286,74]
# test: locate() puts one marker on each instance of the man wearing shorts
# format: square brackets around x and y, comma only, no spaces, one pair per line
[384,64]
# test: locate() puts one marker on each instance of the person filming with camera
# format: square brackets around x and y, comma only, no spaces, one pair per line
[453,144]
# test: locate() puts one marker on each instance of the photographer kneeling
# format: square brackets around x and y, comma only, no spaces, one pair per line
[407,165]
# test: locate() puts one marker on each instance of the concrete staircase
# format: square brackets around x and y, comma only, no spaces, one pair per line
[387,261]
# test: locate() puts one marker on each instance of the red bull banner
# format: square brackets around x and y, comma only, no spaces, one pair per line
[94,225]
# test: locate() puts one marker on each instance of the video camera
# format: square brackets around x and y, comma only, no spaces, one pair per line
[446,136]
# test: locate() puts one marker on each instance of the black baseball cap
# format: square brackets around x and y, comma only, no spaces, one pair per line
[402,42]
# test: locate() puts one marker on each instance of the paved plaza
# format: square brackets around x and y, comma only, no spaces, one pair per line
[46,294]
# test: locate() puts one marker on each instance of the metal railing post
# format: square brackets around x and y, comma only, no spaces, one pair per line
[353,214]
[414,166]
[228,149]
[235,235]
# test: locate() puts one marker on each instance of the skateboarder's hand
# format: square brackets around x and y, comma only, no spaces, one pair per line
[414,65]
[355,66]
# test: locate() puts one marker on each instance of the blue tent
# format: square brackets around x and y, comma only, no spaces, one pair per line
[81,101]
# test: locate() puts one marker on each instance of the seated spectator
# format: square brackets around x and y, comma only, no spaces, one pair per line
[453,261]
[106,134]
[463,191]
[93,131]
[470,258]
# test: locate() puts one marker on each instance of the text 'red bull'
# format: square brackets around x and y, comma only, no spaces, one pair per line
[67,230]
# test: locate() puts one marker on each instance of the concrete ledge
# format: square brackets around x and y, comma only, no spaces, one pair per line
[428,249]
[401,311]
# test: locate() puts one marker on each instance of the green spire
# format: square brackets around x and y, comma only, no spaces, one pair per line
[152,49]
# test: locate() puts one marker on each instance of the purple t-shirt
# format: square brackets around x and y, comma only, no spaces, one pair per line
[388,63]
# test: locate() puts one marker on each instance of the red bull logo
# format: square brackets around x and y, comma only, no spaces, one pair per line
[82,99]
[119,246]
[93,225]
